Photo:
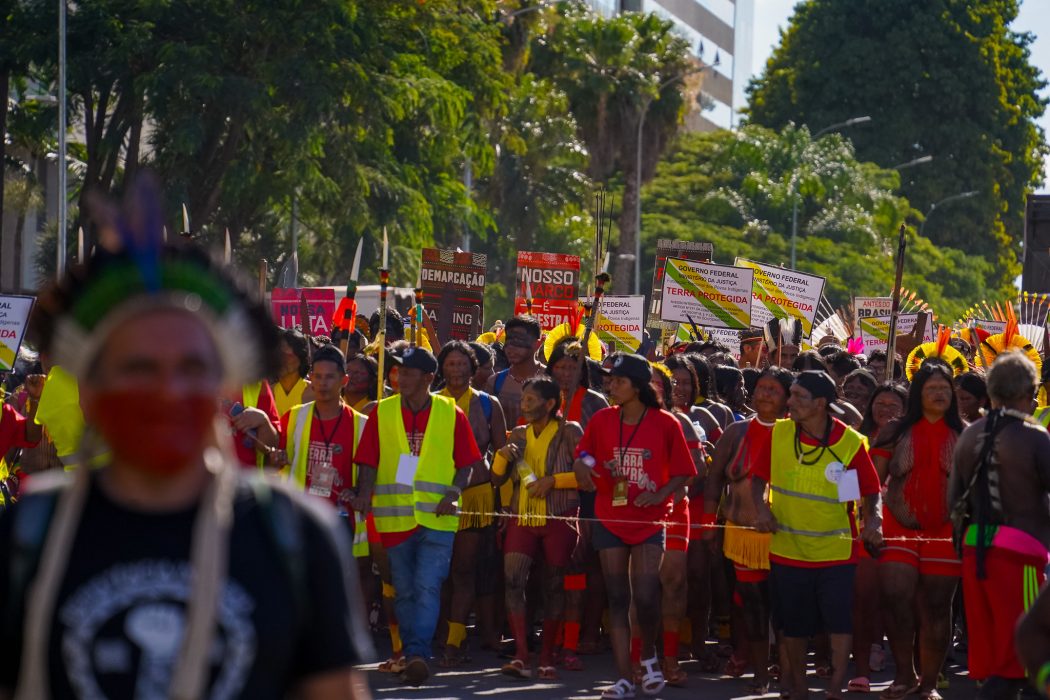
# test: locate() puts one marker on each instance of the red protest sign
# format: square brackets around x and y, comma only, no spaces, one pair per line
[554,279]
[320,304]
[454,291]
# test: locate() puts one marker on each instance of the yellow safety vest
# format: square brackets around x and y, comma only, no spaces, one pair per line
[250,399]
[300,423]
[285,401]
[812,525]
[1042,415]
[59,412]
[399,507]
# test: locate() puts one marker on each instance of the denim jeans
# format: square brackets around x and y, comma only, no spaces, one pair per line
[419,566]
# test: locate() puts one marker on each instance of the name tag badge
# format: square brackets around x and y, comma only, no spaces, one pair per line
[407,465]
[833,472]
[849,486]
[321,480]
[619,497]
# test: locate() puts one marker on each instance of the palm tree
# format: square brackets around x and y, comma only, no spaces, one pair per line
[612,71]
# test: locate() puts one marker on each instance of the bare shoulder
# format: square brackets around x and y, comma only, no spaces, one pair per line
[572,429]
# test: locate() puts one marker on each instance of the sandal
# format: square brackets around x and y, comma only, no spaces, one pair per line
[395,664]
[571,662]
[653,680]
[896,691]
[860,684]
[757,689]
[822,671]
[673,674]
[454,657]
[547,673]
[622,688]
[515,668]
[735,667]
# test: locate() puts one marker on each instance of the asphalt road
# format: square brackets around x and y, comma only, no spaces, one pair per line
[481,678]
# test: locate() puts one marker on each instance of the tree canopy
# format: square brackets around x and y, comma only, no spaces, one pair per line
[735,190]
[946,78]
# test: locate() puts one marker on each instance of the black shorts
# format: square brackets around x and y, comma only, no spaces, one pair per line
[602,538]
[808,601]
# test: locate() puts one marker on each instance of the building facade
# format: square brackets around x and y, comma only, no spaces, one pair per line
[719,31]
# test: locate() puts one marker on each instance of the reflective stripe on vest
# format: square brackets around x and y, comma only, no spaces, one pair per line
[250,399]
[1043,416]
[400,507]
[812,525]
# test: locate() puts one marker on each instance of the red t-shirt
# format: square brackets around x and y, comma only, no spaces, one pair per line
[867,477]
[464,449]
[243,445]
[651,456]
[331,446]
[12,430]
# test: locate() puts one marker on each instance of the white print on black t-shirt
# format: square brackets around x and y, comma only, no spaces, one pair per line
[130,620]
[632,468]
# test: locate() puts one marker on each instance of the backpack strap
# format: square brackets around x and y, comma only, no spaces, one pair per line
[486,405]
[501,378]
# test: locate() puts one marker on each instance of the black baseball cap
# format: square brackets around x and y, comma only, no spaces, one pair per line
[629,365]
[417,358]
[820,385]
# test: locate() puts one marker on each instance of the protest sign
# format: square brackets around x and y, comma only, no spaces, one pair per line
[866,307]
[454,291]
[700,251]
[619,321]
[711,295]
[14,315]
[728,337]
[993,327]
[875,330]
[320,303]
[554,280]
[782,293]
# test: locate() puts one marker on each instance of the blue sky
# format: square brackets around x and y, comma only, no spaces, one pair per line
[772,15]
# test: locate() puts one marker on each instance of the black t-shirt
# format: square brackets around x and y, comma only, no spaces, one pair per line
[120,611]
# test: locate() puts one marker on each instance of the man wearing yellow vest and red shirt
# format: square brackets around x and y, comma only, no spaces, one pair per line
[416,456]
[816,468]
[320,437]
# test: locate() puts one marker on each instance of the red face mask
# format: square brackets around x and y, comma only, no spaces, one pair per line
[160,436]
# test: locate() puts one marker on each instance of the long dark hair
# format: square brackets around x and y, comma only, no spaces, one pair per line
[665,384]
[867,426]
[913,409]
[704,374]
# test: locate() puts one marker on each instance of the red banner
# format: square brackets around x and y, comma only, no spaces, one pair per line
[320,305]
[554,279]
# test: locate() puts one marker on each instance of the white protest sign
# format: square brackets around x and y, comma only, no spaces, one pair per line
[782,293]
[14,315]
[712,295]
[619,321]
[866,307]
[875,330]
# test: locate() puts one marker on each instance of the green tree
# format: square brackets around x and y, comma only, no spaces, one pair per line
[616,72]
[736,189]
[945,77]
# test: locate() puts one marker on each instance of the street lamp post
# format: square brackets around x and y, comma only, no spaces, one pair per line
[936,205]
[638,167]
[63,225]
[794,185]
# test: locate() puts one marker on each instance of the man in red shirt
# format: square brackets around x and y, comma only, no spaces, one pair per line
[635,456]
[320,436]
[816,467]
[17,431]
[411,476]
